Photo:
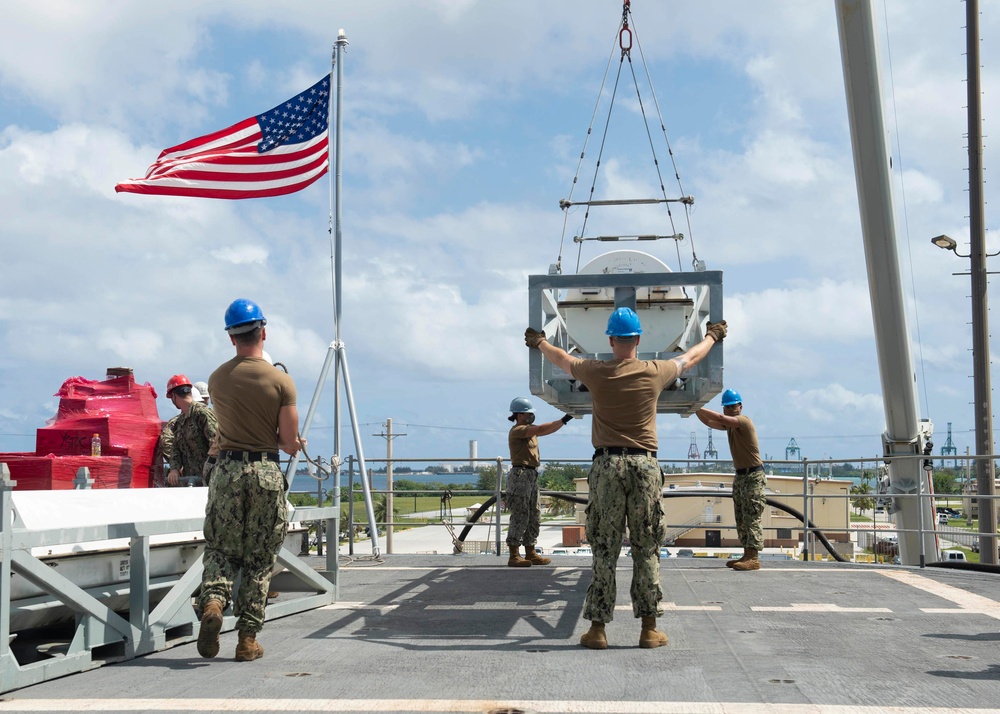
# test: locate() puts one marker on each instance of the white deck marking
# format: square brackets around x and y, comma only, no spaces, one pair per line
[451,705]
[819,607]
[676,608]
[359,606]
[969,602]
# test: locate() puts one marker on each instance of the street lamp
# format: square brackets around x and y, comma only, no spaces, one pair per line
[983,409]
[946,242]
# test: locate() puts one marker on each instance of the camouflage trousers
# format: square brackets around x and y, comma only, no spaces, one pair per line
[522,500]
[246,520]
[624,490]
[748,503]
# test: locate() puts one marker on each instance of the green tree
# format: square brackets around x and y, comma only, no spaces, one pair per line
[562,507]
[487,480]
[380,513]
[865,502]
[560,477]
[302,499]
[944,482]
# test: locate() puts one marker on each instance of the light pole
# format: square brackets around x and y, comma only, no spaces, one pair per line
[982,407]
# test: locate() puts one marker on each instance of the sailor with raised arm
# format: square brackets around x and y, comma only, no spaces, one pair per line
[625,481]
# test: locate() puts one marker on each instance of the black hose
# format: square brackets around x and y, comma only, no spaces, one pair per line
[965,565]
[667,493]
[475,517]
[671,493]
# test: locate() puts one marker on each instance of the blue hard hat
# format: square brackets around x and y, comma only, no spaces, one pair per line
[243,315]
[623,323]
[521,405]
[731,397]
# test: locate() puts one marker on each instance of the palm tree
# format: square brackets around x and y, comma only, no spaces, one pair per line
[378,503]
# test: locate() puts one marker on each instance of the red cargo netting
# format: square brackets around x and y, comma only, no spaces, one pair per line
[124,416]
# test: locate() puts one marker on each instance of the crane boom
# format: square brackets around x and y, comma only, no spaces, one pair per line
[906,434]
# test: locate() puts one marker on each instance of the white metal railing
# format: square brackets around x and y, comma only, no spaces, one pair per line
[810,471]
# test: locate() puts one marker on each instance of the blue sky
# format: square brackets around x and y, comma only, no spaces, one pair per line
[463,124]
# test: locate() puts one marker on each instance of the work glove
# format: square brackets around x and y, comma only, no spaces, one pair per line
[716,330]
[567,418]
[533,338]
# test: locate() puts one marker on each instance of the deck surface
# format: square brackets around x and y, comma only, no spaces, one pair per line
[445,633]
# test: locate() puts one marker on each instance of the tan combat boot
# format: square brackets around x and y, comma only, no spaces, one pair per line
[515,560]
[751,562]
[533,557]
[743,558]
[211,623]
[651,637]
[595,638]
[248,648]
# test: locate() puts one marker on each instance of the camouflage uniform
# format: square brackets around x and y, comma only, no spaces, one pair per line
[522,500]
[748,485]
[163,446]
[193,436]
[748,503]
[246,520]
[624,489]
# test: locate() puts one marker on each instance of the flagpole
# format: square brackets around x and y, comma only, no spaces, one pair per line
[335,213]
[340,352]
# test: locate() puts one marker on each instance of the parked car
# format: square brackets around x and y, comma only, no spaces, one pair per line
[943,519]
[685,553]
[975,545]
[664,552]
[953,556]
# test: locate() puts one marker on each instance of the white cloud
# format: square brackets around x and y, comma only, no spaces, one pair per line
[463,127]
[241,255]
[132,344]
[837,406]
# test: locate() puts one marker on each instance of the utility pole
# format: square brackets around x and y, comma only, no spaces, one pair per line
[985,485]
[388,436]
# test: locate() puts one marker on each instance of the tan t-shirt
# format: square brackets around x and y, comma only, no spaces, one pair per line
[247,394]
[625,393]
[743,444]
[523,448]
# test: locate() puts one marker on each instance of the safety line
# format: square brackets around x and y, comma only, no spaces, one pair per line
[404,706]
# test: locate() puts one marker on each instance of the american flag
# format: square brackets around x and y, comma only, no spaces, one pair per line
[275,153]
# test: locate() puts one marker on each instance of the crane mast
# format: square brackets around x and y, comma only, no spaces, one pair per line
[905,434]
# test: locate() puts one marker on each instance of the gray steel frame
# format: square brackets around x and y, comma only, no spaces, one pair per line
[173,621]
[552,384]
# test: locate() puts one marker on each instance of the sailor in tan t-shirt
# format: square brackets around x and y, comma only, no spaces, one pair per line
[522,482]
[625,481]
[246,517]
[748,484]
